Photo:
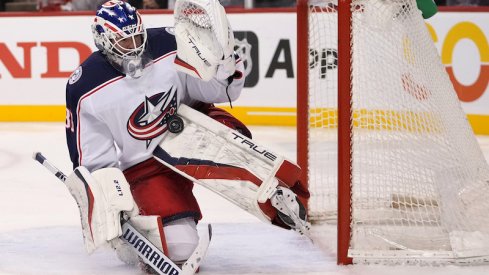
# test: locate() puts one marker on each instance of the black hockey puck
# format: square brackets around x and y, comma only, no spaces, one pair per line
[175,124]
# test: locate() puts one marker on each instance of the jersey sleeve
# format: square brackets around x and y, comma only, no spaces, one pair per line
[216,90]
[90,142]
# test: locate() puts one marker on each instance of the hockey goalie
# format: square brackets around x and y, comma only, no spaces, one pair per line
[142,128]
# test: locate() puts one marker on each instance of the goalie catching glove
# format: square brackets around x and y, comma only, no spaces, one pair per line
[205,40]
[101,197]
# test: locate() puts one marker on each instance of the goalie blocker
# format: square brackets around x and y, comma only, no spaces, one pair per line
[101,197]
[230,164]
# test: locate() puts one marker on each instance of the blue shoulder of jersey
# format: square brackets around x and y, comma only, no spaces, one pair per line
[161,41]
[93,72]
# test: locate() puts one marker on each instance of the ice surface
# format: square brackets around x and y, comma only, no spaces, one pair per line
[40,231]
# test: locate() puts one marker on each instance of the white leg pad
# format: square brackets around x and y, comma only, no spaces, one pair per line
[224,161]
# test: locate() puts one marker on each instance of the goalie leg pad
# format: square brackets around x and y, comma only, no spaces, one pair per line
[101,197]
[159,191]
[228,163]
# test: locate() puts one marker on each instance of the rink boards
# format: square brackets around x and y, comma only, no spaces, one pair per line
[39,54]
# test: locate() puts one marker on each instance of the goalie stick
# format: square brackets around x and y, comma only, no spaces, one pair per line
[149,253]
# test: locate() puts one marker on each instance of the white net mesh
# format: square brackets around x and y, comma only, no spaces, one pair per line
[420,184]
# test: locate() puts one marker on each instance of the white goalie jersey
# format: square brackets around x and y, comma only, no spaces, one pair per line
[112,117]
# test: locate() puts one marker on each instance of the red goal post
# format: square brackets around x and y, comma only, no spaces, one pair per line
[387,149]
[344,110]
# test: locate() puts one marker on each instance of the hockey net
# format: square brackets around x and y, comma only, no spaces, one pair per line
[414,184]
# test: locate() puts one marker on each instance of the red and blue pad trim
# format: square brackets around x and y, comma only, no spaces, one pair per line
[201,169]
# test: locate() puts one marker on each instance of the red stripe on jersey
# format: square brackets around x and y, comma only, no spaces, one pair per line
[182,63]
[96,89]
[165,56]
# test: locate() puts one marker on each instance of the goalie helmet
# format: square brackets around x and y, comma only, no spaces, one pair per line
[118,32]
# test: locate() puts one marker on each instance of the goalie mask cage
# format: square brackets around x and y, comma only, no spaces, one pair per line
[387,148]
